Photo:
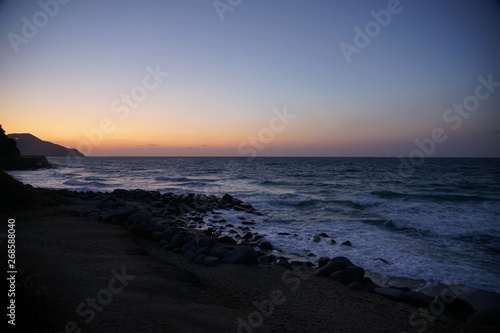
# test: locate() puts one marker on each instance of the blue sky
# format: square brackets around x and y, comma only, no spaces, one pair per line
[226,76]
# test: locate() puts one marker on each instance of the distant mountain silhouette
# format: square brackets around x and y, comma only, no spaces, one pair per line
[29,144]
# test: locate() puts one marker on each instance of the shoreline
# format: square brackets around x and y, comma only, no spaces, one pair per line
[85,208]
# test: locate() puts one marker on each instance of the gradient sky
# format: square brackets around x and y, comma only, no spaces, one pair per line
[226,76]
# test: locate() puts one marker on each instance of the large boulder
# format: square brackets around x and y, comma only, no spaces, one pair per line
[330,268]
[244,254]
[120,214]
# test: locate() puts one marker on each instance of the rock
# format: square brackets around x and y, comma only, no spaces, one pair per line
[206,242]
[285,264]
[347,243]
[344,277]
[359,271]
[248,222]
[331,267]
[393,294]
[331,242]
[383,260]
[120,214]
[346,261]
[169,233]
[247,235]
[219,253]
[323,234]
[203,250]
[141,217]
[227,198]
[267,260]
[316,239]
[178,240]
[357,286]
[266,245]
[226,239]
[244,254]
[188,247]
[200,259]
[189,255]
[211,261]
[322,261]
[284,234]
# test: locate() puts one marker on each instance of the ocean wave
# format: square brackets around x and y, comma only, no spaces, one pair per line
[75,182]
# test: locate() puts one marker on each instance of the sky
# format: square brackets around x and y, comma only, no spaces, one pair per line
[254,77]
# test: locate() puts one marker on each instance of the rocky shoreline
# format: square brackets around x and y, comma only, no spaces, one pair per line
[180,224]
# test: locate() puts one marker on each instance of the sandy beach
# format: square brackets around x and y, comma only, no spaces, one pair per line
[99,277]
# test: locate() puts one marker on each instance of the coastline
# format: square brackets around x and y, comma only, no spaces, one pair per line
[76,232]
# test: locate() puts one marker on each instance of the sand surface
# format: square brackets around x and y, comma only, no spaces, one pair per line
[78,258]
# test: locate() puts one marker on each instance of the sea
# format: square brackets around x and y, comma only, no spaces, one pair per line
[436,222]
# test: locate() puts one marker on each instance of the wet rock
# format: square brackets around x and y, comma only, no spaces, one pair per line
[266,245]
[323,234]
[316,239]
[322,261]
[331,267]
[247,235]
[248,222]
[383,260]
[347,243]
[227,198]
[359,271]
[285,264]
[244,254]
